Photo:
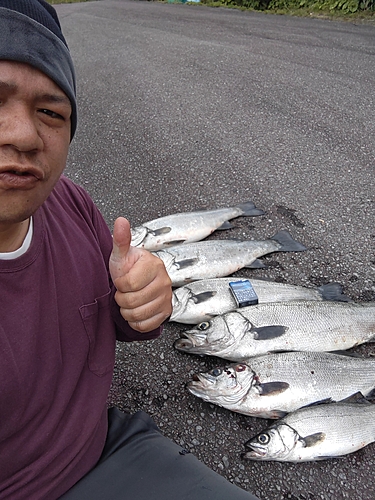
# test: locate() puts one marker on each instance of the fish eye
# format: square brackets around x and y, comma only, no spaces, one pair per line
[216,372]
[263,438]
[204,325]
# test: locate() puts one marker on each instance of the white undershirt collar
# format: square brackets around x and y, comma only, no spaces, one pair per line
[23,249]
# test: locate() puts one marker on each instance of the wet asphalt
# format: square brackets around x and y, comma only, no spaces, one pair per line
[183,107]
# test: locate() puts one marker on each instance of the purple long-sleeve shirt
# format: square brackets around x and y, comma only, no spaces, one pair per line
[58,327]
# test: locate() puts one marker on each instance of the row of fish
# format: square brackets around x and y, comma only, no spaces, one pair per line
[288,385]
[281,347]
[278,385]
[176,240]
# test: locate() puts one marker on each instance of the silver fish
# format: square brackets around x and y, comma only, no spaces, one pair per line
[315,433]
[273,385]
[282,326]
[187,227]
[217,258]
[202,300]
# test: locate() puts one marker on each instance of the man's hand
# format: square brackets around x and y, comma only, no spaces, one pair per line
[144,291]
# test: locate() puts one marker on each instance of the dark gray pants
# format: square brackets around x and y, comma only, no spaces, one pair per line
[139,463]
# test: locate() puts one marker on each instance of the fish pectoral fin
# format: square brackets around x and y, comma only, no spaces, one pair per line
[272,388]
[182,264]
[268,332]
[313,439]
[202,297]
[276,414]
[256,264]
[161,230]
[225,225]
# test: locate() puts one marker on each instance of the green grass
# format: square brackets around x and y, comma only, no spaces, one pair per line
[55,2]
[359,17]
[316,11]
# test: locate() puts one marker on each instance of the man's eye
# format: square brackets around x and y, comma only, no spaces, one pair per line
[51,113]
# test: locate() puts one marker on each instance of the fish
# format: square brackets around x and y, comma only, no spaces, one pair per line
[318,432]
[218,258]
[188,227]
[273,385]
[203,299]
[282,326]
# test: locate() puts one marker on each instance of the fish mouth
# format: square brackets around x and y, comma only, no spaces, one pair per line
[183,344]
[253,452]
[201,381]
[188,342]
[196,386]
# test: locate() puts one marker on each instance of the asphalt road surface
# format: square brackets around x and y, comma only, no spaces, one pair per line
[184,107]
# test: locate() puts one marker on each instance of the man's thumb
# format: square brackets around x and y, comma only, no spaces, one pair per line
[121,245]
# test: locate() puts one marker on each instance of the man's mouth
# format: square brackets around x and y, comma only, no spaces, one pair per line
[19,178]
[19,173]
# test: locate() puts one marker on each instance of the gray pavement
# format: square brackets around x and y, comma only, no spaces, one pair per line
[185,107]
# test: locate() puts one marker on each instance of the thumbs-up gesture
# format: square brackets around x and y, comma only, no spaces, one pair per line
[144,291]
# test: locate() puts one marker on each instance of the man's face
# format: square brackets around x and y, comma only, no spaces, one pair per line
[34,139]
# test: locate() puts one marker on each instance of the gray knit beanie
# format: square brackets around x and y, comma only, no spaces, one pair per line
[30,32]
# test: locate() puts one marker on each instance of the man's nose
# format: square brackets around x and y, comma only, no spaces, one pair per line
[19,129]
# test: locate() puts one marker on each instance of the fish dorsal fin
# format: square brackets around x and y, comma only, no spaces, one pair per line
[357,398]
[203,297]
[313,439]
[268,332]
[272,388]
[320,402]
[371,395]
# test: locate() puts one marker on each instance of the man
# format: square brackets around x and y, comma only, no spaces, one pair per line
[68,291]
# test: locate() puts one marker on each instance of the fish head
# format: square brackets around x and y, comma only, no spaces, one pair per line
[214,337]
[225,386]
[138,234]
[275,443]
[180,301]
[167,258]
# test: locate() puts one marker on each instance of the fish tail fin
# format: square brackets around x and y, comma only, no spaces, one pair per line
[333,291]
[248,209]
[288,244]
